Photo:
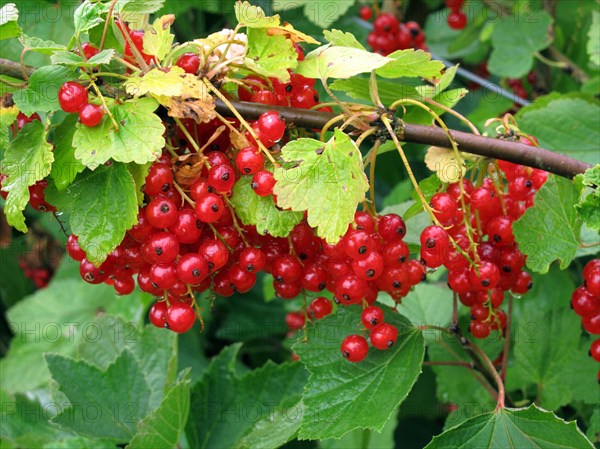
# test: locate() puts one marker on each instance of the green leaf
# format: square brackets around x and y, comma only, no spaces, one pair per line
[139,173]
[324,179]
[270,55]
[163,427]
[138,6]
[159,39]
[37,45]
[515,40]
[440,85]
[261,211]
[320,12]
[65,167]
[523,428]
[576,116]
[28,159]
[448,98]
[254,16]
[73,60]
[118,395]
[157,82]
[411,63]
[593,432]
[155,350]
[588,207]
[338,391]
[339,62]
[139,138]
[428,304]
[549,230]
[7,117]
[225,407]
[342,39]
[88,15]
[41,94]
[389,92]
[357,438]
[102,206]
[593,46]
[9,28]
[47,322]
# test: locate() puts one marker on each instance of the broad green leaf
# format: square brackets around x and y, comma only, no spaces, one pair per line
[7,117]
[118,395]
[281,426]
[163,427]
[338,392]
[27,160]
[339,62]
[588,207]
[45,47]
[139,138]
[73,60]
[102,206]
[262,211]
[342,39]
[65,167]
[389,92]
[366,439]
[440,85]
[320,12]
[411,63]
[593,432]
[159,39]
[138,7]
[556,121]
[157,82]
[531,427]
[41,94]
[270,55]
[9,14]
[225,406]
[254,16]
[139,173]
[428,304]
[549,230]
[324,179]
[154,349]
[88,15]
[593,46]
[47,322]
[515,40]
[448,98]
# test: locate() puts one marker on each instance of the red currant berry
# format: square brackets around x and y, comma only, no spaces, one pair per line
[216,254]
[386,23]
[444,207]
[271,126]
[249,161]
[366,12]
[319,308]
[479,329]
[591,323]
[595,350]
[192,268]
[391,228]
[523,283]
[209,208]
[189,62]
[369,268]
[91,115]
[161,213]
[286,269]
[222,178]
[74,249]
[372,316]
[124,286]
[583,302]
[287,291]
[383,336]
[158,313]
[314,278]
[241,280]
[180,317]
[354,348]
[350,289]
[263,183]
[89,50]
[72,96]
[163,275]
[457,20]
[160,247]
[485,276]
[252,259]
[295,320]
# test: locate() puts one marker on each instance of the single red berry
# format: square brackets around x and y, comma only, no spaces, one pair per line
[72,96]
[287,291]
[249,161]
[180,317]
[92,274]
[386,23]
[395,253]
[241,280]
[295,320]
[459,281]
[358,244]
[189,62]
[160,247]
[479,329]
[163,275]
[158,313]
[74,249]
[124,286]
[435,239]
[314,277]
[457,20]
[216,254]
[319,308]
[485,276]
[595,350]
[306,97]
[91,115]
[271,126]
[252,259]
[192,268]
[159,179]
[370,267]
[444,208]
[383,336]
[354,348]
[591,323]
[161,213]
[584,303]
[350,289]
[222,178]
[187,228]
[366,12]
[209,208]
[263,183]
[372,316]
[391,228]
[286,269]
[89,50]
[523,283]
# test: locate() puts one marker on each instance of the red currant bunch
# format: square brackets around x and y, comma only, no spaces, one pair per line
[457,19]
[73,97]
[389,35]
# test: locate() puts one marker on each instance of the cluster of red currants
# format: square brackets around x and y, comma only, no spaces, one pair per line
[457,19]
[475,242]
[389,34]
[382,335]
[585,301]
[73,98]
[39,276]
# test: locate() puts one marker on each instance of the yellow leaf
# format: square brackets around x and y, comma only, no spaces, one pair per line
[158,39]
[157,82]
[443,162]
[195,101]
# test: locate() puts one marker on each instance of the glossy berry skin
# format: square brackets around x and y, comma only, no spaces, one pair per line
[163,275]
[314,277]
[209,208]
[249,161]
[216,254]
[319,308]
[187,228]
[595,350]
[161,213]
[286,269]
[159,180]
[72,96]
[479,329]
[391,228]
[372,316]
[189,62]
[354,348]
[158,313]
[435,240]
[522,284]
[91,274]
[192,268]
[161,247]
[350,289]
[295,320]
[386,23]
[252,259]
[383,336]
[358,244]
[124,286]
[457,20]
[584,303]
[487,277]
[90,115]
[180,317]
[222,178]
[271,126]
[365,12]
[499,230]
[369,268]
[73,248]
[444,207]
[263,183]
[591,277]
[591,323]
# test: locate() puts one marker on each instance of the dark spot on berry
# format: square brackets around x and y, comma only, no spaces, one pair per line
[246,170]
[423,277]
[278,279]
[196,272]
[373,321]
[249,267]
[397,284]
[400,230]
[254,185]
[336,300]
[210,189]
[528,184]
[165,208]
[89,277]
[303,256]
[289,88]
[485,282]
[154,285]
[362,250]
[370,273]
[414,32]
[321,286]
[225,176]
[158,251]
[346,297]
[402,259]
[430,243]
[42,208]
[346,354]
[166,187]
[497,238]
[390,343]
[506,269]
[198,224]
[215,208]
[530,286]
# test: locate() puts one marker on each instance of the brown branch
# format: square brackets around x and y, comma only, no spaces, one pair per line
[516,152]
